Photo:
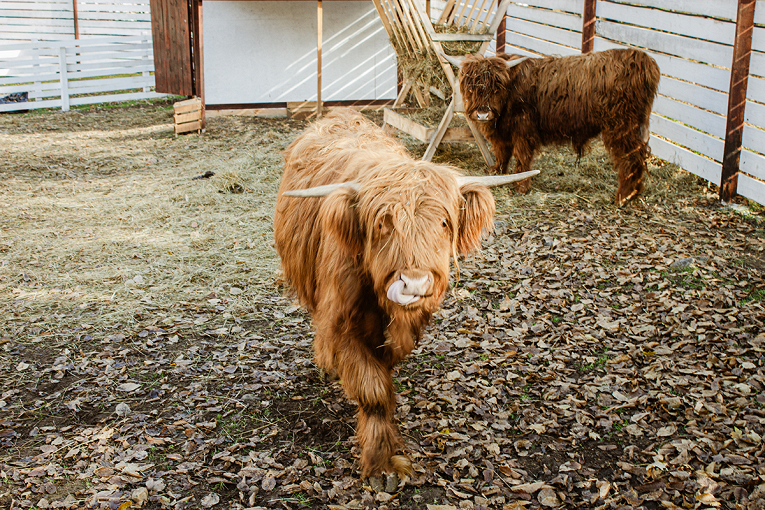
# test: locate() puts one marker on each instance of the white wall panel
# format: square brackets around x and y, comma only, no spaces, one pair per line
[265,52]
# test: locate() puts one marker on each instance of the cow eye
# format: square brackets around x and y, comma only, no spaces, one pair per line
[444,224]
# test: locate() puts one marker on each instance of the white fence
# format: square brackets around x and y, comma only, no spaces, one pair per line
[54,20]
[692,41]
[76,72]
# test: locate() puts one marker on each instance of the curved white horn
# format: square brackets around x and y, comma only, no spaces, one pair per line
[512,63]
[495,180]
[455,61]
[321,191]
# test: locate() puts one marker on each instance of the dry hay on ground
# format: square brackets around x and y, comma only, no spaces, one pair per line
[589,357]
[104,212]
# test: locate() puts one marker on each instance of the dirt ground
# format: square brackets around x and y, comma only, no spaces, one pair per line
[588,357]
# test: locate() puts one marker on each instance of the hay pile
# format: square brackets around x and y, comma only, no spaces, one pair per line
[424,67]
[106,226]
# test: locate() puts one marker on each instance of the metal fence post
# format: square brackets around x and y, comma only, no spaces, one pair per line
[739,74]
[63,78]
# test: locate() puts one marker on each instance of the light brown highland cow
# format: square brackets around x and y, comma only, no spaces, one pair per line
[523,104]
[370,260]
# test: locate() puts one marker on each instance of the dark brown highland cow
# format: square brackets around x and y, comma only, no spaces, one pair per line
[370,260]
[522,104]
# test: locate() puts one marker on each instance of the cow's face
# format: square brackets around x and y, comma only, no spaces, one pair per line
[485,84]
[405,225]
[483,107]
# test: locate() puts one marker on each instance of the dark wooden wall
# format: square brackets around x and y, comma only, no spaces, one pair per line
[171,33]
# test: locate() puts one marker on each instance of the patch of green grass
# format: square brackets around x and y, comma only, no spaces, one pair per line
[232,426]
[599,363]
[754,295]
[619,425]
[302,499]
[685,277]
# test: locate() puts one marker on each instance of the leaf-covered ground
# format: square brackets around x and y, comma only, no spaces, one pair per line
[588,357]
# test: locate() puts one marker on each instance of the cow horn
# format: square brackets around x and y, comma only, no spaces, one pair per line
[512,63]
[321,191]
[495,180]
[455,61]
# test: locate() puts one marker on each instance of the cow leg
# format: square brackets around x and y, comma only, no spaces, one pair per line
[370,382]
[524,154]
[503,151]
[629,155]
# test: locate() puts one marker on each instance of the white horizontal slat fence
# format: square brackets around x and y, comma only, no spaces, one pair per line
[689,113]
[752,164]
[693,43]
[76,72]
[544,27]
[55,20]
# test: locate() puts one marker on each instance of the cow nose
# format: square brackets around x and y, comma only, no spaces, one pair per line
[415,286]
[482,116]
[409,288]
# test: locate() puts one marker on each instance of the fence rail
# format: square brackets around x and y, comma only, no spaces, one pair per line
[55,20]
[76,72]
[693,42]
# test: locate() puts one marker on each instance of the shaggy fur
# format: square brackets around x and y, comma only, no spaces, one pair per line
[557,100]
[340,253]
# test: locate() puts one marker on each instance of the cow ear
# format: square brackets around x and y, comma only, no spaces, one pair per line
[476,215]
[339,219]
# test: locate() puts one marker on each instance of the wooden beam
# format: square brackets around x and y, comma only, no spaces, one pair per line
[588,25]
[319,19]
[188,126]
[501,34]
[742,50]
[461,37]
[439,134]
[76,17]
[458,135]
[199,57]
[418,131]
[189,105]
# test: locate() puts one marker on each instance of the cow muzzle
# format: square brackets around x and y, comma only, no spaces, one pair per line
[483,116]
[410,288]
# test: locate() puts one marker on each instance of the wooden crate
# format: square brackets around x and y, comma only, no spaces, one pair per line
[188,115]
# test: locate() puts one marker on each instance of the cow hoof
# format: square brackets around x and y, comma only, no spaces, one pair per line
[384,483]
[328,375]
[495,169]
[523,186]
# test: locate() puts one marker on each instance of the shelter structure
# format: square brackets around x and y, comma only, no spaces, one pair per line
[251,55]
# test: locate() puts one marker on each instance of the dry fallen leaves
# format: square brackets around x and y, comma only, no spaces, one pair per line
[588,358]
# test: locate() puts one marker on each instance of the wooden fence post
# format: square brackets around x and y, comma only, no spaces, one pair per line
[739,75]
[501,34]
[588,26]
[76,17]
[198,51]
[319,30]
